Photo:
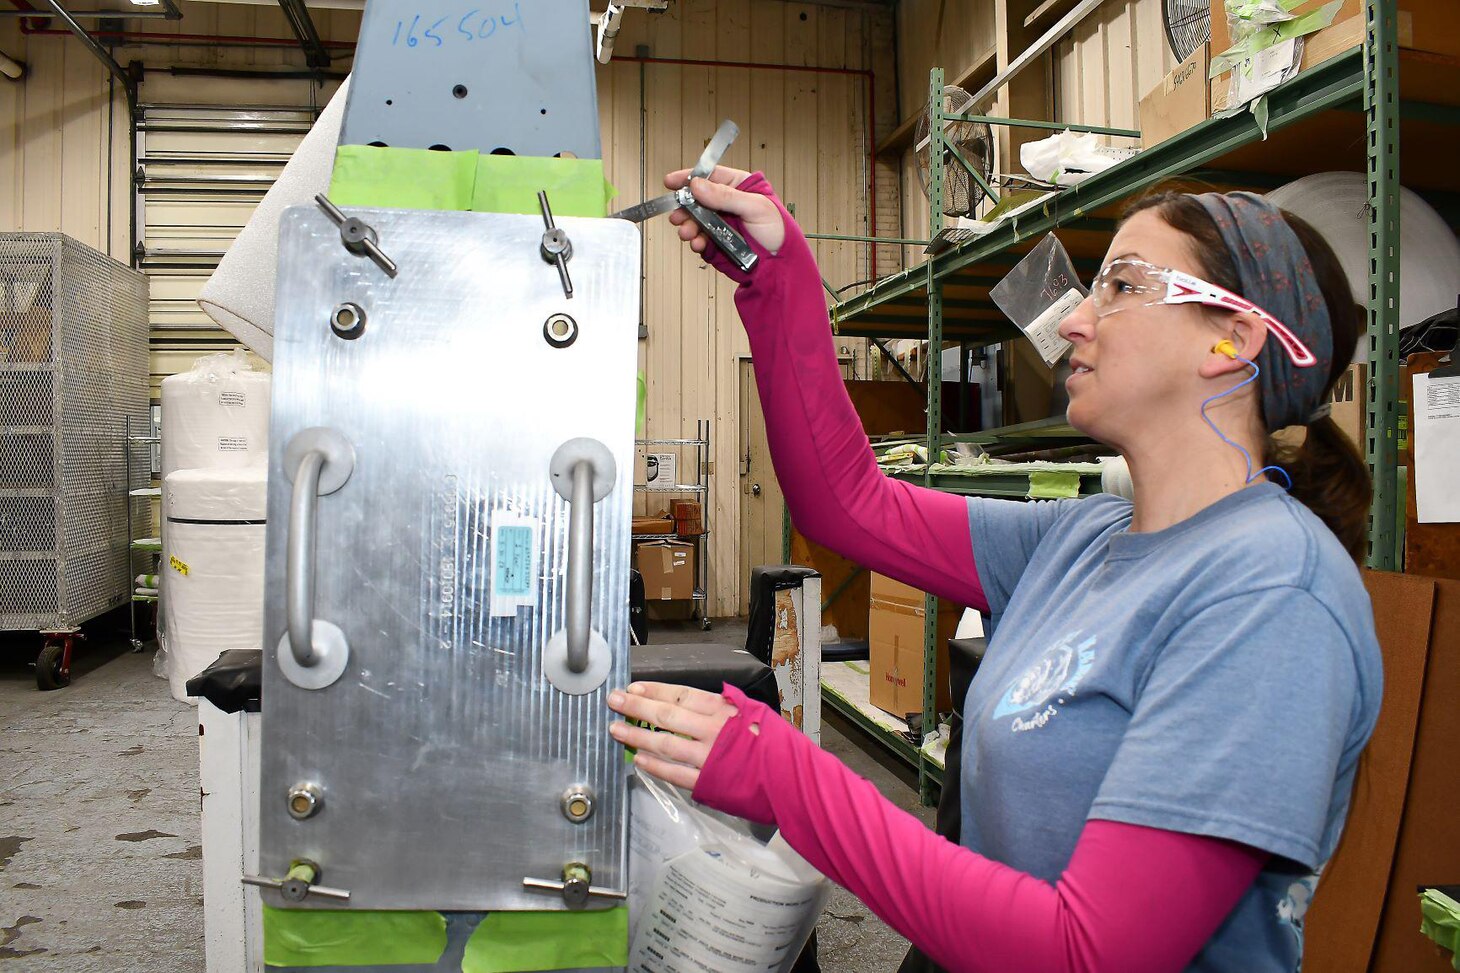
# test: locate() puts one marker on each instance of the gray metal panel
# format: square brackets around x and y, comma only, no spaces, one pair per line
[528,79]
[442,751]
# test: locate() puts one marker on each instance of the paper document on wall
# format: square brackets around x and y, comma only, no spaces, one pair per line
[1437,448]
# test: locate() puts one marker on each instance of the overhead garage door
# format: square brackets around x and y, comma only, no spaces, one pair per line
[201,171]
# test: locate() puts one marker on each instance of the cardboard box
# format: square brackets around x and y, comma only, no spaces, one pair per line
[689,517]
[668,568]
[653,525]
[1181,100]
[895,636]
[1426,25]
[1349,403]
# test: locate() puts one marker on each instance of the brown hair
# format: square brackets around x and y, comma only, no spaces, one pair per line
[1329,476]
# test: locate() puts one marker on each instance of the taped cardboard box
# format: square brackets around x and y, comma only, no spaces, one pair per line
[653,525]
[1180,101]
[1426,25]
[895,638]
[668,568]
[689,517]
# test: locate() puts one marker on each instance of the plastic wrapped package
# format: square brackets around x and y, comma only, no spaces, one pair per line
[213,560]
[1067,158]
[705,895]
[1039,293]
[215,414]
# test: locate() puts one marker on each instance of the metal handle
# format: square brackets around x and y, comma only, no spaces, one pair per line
[576,659]
[299,565]
[580,567]
[313,652]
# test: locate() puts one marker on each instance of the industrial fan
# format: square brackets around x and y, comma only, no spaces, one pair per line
[973,140]
[1188,25]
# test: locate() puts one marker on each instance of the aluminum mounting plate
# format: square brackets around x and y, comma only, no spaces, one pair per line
[443,752]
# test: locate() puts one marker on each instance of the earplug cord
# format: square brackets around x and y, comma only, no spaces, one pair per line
[1237,446]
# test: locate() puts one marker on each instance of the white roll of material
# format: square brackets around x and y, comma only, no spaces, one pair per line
[215,415]
[1336,204]
[240,294]
[213,560]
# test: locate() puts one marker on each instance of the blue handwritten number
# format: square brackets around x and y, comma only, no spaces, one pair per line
[489,22]
[396,39]
[411,34]
[508,22]
[461,27]
[431,32]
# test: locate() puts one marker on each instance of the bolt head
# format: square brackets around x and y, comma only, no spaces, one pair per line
[305,801]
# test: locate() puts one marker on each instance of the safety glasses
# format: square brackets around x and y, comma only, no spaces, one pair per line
[1124,284]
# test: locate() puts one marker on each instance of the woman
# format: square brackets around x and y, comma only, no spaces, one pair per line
[1162,738]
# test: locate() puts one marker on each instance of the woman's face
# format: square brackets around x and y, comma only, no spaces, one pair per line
[1137,368]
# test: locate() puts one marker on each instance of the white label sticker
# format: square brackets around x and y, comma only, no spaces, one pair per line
[232,444]
[232,399]
[1044,331]
[514,563]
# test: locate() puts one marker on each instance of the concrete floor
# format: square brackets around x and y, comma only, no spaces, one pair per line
[100,861]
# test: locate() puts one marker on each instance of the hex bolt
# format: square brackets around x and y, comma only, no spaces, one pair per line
[578,803]
[305,801]
[560,330]
[348,321]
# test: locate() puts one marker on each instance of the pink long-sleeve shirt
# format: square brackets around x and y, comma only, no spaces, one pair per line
[1113,907]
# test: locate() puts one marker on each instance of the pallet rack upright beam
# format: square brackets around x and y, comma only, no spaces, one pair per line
[1382,111]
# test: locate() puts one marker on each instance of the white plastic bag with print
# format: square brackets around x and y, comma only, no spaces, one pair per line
[705,896]
[1068,157]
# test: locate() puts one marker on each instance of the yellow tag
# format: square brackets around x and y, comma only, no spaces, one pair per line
[179,566]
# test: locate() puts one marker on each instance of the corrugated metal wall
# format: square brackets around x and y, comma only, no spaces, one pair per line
[64,159]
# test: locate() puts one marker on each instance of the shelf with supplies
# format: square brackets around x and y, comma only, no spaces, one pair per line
[143,553]
[1350,111]
[844,688]
[673,556]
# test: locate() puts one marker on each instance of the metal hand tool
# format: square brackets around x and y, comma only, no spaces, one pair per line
[732,243]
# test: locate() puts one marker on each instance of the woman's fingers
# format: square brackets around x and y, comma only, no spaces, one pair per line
[666,715]
[691,753]
[695,700]
[676,774]
[724,175]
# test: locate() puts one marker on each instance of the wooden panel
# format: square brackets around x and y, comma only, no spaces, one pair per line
[1110,60]
[951,34]
[1340,927]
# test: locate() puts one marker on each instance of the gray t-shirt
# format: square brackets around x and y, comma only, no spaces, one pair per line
[1219,677]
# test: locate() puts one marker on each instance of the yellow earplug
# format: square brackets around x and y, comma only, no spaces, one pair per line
[1225,347]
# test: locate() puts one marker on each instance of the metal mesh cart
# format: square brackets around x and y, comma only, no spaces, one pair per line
[73,372]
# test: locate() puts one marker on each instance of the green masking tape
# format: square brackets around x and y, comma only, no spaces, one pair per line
[527,942]
[369,175]
[329,937]
[1053,485]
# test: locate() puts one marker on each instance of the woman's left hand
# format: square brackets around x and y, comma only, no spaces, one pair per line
[688,722]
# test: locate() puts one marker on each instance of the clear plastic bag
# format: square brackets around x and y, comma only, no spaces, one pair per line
[1039,293]
[706,895]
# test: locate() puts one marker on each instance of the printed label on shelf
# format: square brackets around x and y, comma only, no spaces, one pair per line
[514,563]
[1044,331]
[179,566]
